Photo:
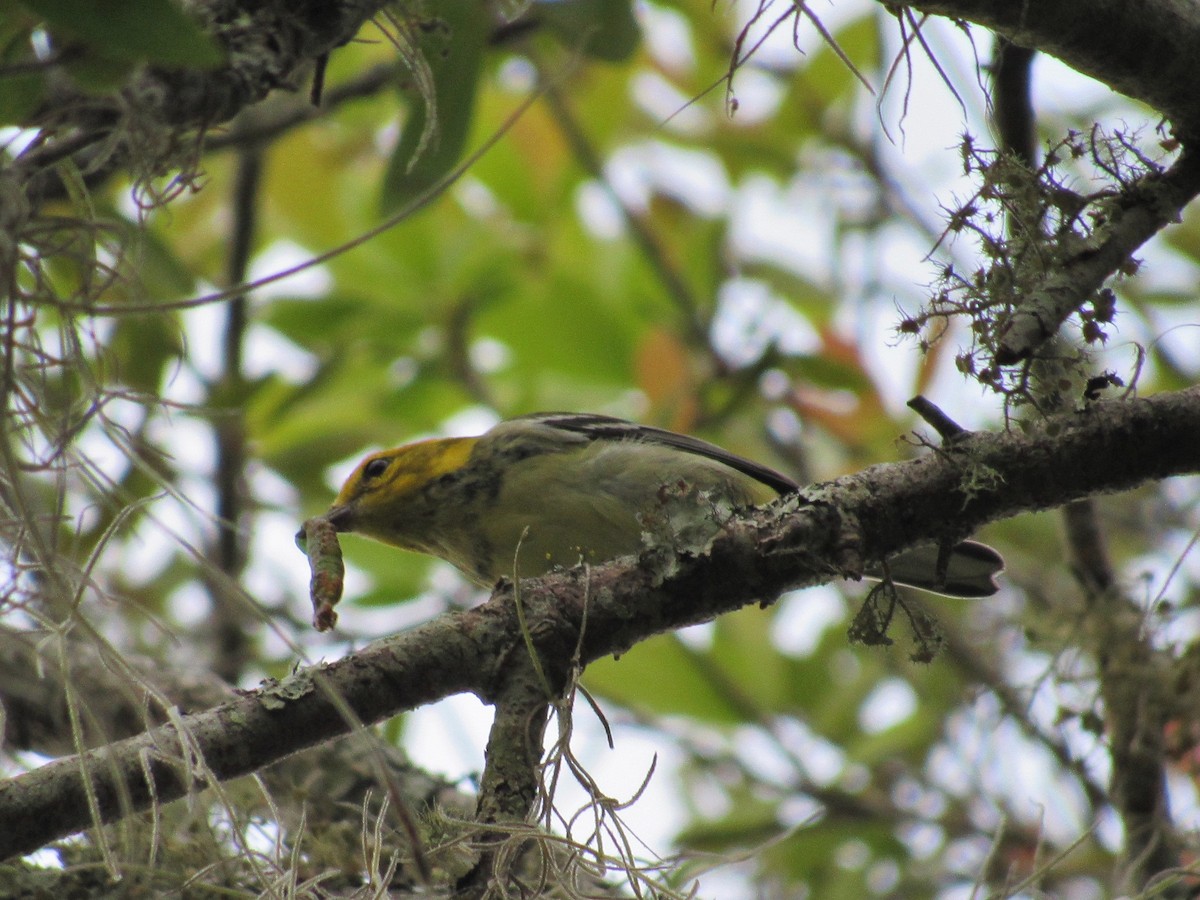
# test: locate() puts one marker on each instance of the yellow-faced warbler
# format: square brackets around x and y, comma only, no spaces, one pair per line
[572,487]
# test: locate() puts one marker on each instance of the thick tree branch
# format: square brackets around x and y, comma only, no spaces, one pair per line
[509,785]
[830,529]
[118,699]
[1145,49]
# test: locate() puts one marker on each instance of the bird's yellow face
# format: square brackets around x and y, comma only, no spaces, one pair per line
[382,498]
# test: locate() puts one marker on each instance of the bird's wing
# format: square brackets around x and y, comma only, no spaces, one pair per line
[597,427]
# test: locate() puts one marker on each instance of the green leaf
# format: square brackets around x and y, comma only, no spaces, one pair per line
[142,347]
[811,853]
[823,370]
[154,31]
[601,29]
[750,822]
[96,72]
[660,677]
[433,138]
[908,739]
[826,79]
[544,330]
[21,93]
[396,576]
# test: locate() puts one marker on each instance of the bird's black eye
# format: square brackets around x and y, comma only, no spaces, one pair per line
[375,468]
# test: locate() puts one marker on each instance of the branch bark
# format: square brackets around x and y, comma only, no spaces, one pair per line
[121,698]
[1136,706]
[828,530]
[1144,49]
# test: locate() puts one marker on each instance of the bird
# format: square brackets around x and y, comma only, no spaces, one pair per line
[556,489]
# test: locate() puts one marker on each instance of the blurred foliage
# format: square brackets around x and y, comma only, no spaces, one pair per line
[678,283]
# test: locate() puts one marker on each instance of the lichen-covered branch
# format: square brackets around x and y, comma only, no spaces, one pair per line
[829,529]
[1138,213]
[118,699]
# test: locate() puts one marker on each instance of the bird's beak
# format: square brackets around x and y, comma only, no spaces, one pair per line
[341,518]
